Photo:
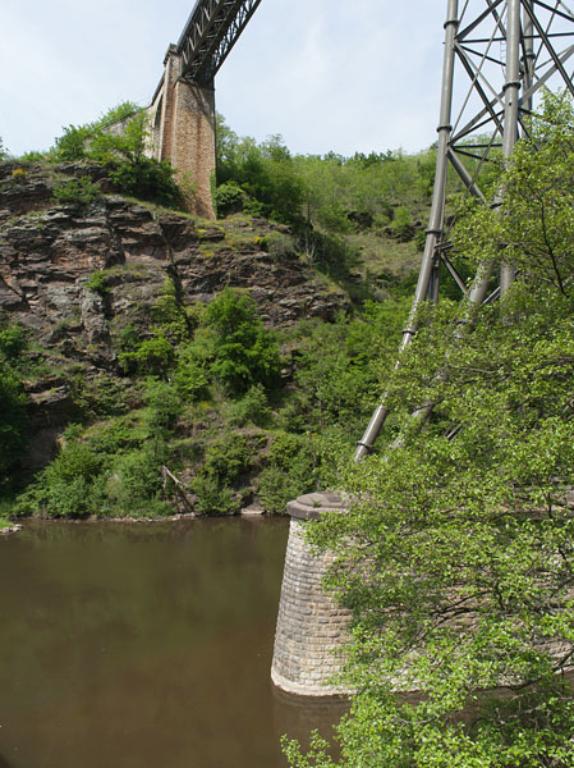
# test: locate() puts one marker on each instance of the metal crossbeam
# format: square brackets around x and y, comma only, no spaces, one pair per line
[498,56]
[209,35]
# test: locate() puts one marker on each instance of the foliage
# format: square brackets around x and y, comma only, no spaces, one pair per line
[265,174]
[75,142]
[80,191]
[12,342]
[13,400]
[98,283]
[72,144]
[457,556]
[225,461]
[240,350]
[118,140]
[3,151]
[252,408]
[230,198]
[164,404]
[291,470]
[12,420]
[153,357]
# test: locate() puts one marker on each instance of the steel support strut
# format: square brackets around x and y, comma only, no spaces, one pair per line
[436,221]
[511,106]
[531,60]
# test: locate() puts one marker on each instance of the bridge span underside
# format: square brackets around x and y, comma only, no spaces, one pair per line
[182,113]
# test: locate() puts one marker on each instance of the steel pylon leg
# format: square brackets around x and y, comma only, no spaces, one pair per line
[522,30]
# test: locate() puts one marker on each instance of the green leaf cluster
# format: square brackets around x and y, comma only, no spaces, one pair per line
[457,557]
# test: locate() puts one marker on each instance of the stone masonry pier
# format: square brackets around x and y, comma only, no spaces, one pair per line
[311,628]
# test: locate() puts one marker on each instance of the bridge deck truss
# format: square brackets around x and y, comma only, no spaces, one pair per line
[209,35]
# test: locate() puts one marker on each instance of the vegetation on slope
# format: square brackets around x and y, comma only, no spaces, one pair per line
[234,410]
[458,556]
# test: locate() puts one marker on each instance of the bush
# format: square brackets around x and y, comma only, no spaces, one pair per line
[79,192]
[164,405]
[152,357]
[291,470]
[212,498]
[252,408]
[228,458]
[191,377]
[147,179]
[12,420]
[230,198]
[12,341]
[402,225]
[98,283]
[244,351]
[68,486]
[136,482]
[124,151]
[72,145]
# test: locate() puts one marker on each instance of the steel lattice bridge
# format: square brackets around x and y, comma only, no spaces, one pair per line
[212,30]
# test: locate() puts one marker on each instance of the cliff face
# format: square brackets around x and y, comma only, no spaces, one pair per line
[49,253]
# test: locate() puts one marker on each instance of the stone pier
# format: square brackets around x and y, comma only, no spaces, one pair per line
[311,627]
[182,131]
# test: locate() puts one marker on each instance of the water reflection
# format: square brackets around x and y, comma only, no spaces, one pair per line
[144,646]
[297,717]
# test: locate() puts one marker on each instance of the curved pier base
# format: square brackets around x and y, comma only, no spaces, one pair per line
[311,627]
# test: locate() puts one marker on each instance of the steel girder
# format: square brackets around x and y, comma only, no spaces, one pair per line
[498,57]
[209,35]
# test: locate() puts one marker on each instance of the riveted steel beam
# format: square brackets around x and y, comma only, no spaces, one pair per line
[212,30]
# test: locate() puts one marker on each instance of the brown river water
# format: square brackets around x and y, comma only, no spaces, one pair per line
[127,646]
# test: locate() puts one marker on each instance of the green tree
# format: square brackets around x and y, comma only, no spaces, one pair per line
[240,350]
[458,554]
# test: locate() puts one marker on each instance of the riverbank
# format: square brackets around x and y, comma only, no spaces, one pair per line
[7,528]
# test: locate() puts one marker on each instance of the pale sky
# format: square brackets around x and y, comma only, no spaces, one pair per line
[342,75]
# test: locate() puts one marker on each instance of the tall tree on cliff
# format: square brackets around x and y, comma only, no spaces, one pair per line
[458,555]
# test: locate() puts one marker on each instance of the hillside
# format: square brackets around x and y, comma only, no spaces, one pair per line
[126,383]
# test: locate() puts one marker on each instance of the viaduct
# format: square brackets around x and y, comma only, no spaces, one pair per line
[182,112]
[498,56]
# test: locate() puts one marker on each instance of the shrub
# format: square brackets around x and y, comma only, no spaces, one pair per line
[12,420]
[98,283]
[147,179]
[19,174]
[136,482]
[152,357]
[164,405]
[12,341]
[402,225]
[291,470]
[72,145]
[279,245]
[228,458]
[244,351]
[191,377]
[81,191]
[252,408]
[67,487]
[230,198]
[212,498]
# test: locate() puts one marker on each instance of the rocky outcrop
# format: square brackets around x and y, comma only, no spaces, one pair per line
[48,253]
[78,276]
